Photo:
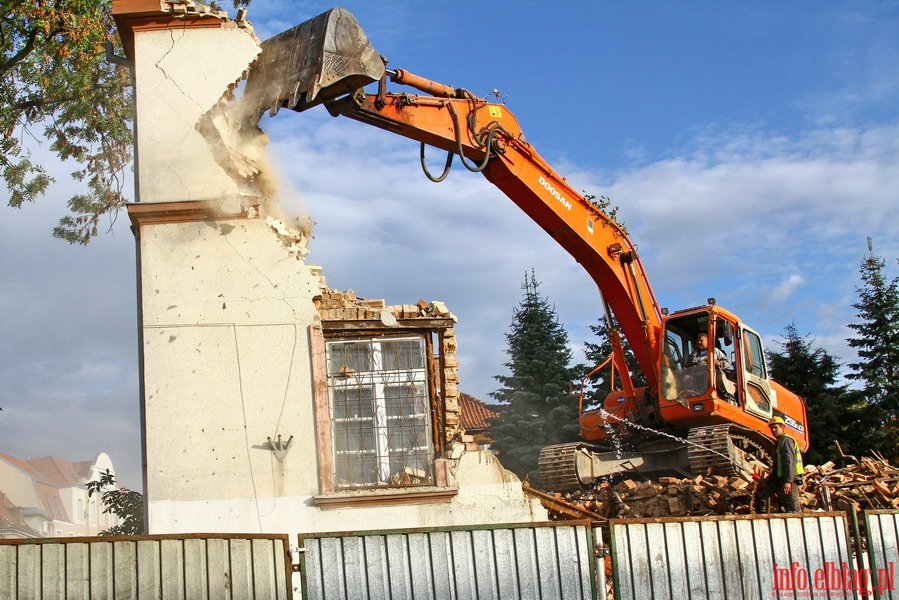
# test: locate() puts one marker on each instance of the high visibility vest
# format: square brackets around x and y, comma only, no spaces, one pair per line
[799,468]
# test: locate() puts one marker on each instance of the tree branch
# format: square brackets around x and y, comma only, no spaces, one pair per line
[21,54]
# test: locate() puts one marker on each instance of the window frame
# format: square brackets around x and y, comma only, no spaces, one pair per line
[369,386]
[330,496]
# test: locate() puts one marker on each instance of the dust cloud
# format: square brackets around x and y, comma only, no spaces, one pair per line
[239,146]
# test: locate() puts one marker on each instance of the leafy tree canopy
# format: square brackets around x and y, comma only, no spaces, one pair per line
[56,86]
[126,504]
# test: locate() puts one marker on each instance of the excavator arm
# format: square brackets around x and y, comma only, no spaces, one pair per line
[328,60]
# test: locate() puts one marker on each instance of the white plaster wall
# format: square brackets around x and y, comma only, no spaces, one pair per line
[17,486]
[180,74]
[226,317]
[225,314]
[488,494]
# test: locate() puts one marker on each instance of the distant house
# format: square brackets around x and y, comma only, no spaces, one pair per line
[475,418]
[47,497]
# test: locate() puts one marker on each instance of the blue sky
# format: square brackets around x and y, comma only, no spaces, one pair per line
[751,148]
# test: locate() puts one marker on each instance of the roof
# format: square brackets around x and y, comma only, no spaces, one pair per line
[9,522]
[475,413]
[62,473]
[52,470]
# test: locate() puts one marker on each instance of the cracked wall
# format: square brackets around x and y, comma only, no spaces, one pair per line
[228,307]
[185,65]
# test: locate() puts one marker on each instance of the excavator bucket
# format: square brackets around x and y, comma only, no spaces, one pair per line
[316,61]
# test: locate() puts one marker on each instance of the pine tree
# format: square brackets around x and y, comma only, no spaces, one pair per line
[832,409]
[877,344]
[537,407]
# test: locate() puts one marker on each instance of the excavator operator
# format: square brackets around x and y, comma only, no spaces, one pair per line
[700,356]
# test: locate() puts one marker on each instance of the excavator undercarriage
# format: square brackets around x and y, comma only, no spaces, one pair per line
[716,449]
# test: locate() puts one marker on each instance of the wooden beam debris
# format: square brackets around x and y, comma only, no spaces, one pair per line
[871,483]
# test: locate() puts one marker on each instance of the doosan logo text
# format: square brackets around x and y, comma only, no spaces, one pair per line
[549,188]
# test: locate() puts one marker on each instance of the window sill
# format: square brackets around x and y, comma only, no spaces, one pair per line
[366,498]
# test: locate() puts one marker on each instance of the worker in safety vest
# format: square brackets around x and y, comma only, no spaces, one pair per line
[786,472]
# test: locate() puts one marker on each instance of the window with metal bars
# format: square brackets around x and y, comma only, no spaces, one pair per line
[380,412]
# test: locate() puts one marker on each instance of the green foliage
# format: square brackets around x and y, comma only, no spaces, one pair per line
[537,407]
[604,205]
[833,410]
[598,352]
[877,344]
[126,504]
[56,86]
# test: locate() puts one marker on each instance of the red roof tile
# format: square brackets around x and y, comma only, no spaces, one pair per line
[475,413]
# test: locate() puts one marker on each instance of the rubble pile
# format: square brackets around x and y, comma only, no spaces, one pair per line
[663,497]
[869,483]
[866,484]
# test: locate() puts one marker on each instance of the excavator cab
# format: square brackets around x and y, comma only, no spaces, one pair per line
[737,375]
[699,358]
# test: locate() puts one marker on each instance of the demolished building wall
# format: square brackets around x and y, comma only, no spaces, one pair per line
[235,326]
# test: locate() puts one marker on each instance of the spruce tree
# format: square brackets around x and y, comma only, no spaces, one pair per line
[832,409]
[877,345]
[537,407]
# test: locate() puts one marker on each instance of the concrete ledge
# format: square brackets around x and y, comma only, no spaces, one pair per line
[357,499]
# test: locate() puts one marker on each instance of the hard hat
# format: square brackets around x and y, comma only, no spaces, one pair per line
[776,421]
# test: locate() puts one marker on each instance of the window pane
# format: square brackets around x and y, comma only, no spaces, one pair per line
[756,355]
[408,435]
[405,400]
[410,467]
[356,470]
[682,378]
[354,437]
[403,354]
[352,402]
[349,357]
[380,411]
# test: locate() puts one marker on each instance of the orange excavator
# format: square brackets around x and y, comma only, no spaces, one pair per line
[708,398]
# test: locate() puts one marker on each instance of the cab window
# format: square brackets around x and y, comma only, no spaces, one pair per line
[755,356]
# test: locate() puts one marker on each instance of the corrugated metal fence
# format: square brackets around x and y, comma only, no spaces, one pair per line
[779,556]
[882,527]
[544,560]
[775,556]
[219,567]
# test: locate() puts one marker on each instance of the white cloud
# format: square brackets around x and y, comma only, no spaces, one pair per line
[770,222]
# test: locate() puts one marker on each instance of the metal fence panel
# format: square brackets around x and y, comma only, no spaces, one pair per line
[144,567]
[543,560]
[734,557]
[882,527]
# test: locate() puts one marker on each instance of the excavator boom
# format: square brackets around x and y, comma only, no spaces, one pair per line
[327,61]
[720,411]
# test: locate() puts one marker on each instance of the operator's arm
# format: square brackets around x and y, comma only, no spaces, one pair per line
[721,359]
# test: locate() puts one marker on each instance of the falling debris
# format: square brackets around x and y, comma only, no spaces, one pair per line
[293,238]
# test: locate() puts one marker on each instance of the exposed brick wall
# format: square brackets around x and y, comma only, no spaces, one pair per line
[336,305]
